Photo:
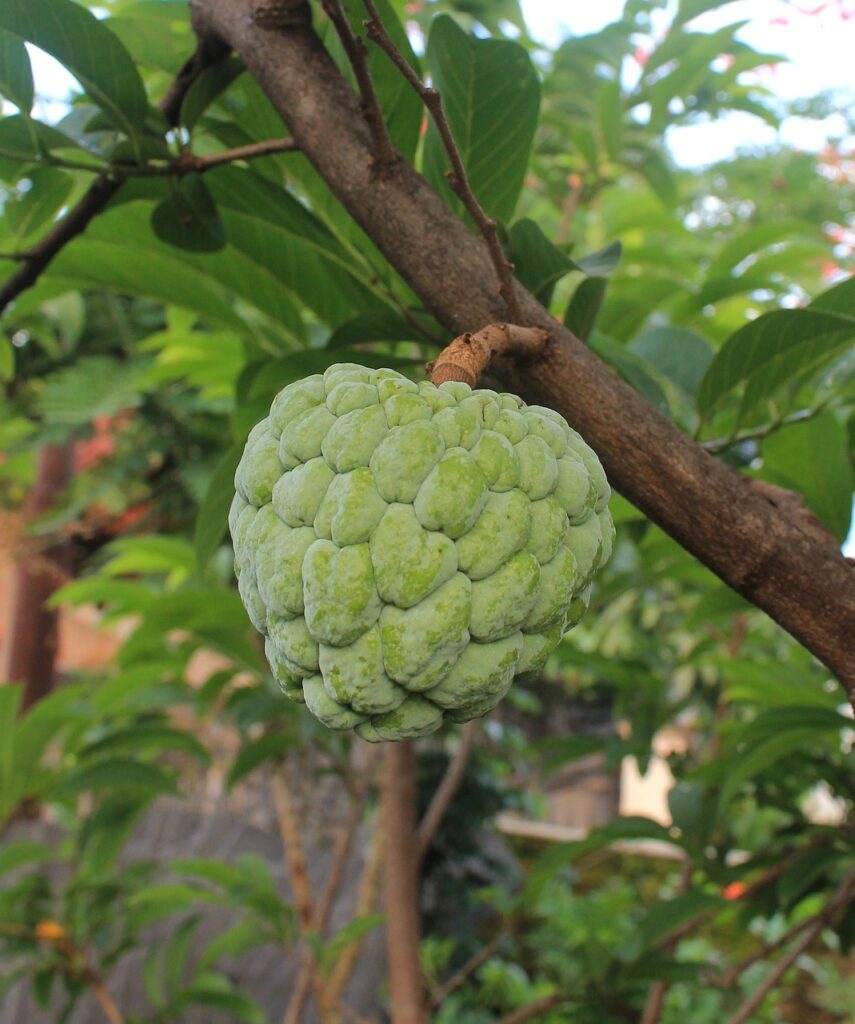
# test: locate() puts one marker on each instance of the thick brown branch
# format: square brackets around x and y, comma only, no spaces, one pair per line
[706,506]
[446,790]
[469,355]
[406,983]
[457,176]
[209,50]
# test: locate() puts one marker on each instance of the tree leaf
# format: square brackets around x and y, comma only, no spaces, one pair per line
[118,773]
[22,852]
[402,108]
[189,219]
[256,752]
[88,49]
[661,919]
[601,262]
[7,359]
[677,353]
[212,518]
[211,84]
[812,458]
[805,869]
[538,264]
[584,307]
[379,325]
[16,75]
[754,240]
[27,213]
[491,96]
[768,351]
[610,114]
[24,138]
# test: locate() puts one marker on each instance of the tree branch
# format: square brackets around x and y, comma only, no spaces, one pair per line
[209,50]
[457,177]
[803,583]
[406,981]
[468,969]
[470,354]
[841,898]
[446,790]
[384,151]
[535,1009]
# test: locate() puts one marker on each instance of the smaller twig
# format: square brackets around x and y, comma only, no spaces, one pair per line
[721,444]
[340,855]
[535,1009]
[457,177]
[470,354]
[446,790]
[467,970]
[366,900]
[105,1000]
[659,989]
[820,917]
[186,163]
[385,155]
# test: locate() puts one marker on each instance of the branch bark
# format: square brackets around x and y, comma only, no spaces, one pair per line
[406,982]
[804,584]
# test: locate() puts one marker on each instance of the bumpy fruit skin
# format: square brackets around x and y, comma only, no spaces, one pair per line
[408,550]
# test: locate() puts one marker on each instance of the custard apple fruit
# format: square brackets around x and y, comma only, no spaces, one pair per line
[407,550]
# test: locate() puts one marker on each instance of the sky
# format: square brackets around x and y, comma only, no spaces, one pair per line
[820,47]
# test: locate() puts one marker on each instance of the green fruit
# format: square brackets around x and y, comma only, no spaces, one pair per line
[408,550]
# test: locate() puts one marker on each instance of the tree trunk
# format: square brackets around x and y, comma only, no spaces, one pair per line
[34,628]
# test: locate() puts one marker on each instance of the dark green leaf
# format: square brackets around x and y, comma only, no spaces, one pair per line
[602,262]
[119,773]
[271,746]
[660,920]
[491,96]
[212,518]
[83,44]
[189,219]
[677,353]
[16,75]
[584,307]
[382,325]
[24,138]
[402,108]
[27,213]
[805,869]
[538,264]
[812,457]
[610,116]
[207,88]
[770,350]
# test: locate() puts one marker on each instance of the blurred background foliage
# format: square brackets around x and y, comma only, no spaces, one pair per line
[153,343]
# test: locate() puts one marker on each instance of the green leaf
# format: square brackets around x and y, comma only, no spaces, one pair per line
[656,171]
[217,992]
[189,219]
[16,75]
[148,736]
[679,354]
[491,96]
[74,395]
[352,932]
[7,358]
[118,773]
[207,88]
[402,108]
[812,458]
[839,299]
[24,138]
[212,518]
[610,116]
[255,753]
[754,240]
[25,214]
[767,352]
[585,305]
[88,49]
[379,325]
[23,852]
[805,869]
[660,920]
[601,262]
[538,264]
[633,369]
